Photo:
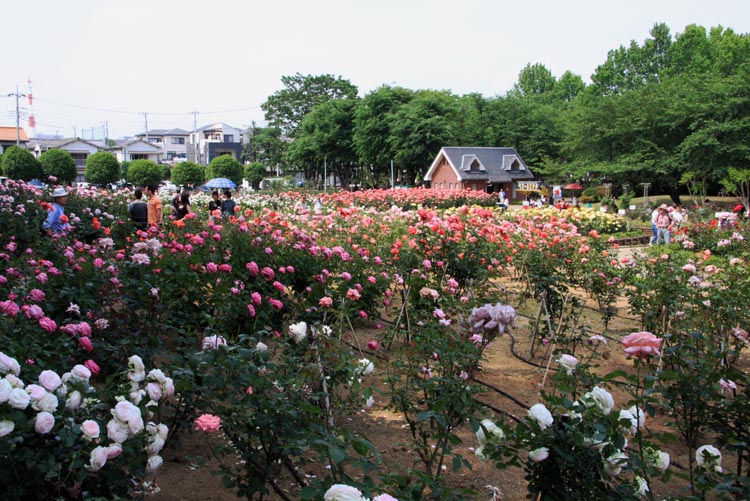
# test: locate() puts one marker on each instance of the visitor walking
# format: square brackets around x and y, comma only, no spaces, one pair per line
[138,211]
[183,206]
[155,212]
[654,213]
[56,221]
[663,222]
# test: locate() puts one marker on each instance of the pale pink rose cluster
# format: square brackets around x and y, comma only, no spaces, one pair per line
[207,423]
[213,342]
[492,318]
[341,492]
[641,344]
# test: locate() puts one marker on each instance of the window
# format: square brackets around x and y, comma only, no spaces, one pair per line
[475,166]
[138,156]
[516,165]
[178,140]
[80,159]
[228,138]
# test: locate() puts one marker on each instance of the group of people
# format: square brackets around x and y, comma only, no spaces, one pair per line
[143,213]
[665,220]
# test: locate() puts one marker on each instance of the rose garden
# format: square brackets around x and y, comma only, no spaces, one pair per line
[118,345]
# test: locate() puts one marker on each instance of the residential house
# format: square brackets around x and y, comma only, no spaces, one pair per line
[136,149]
[79,149]
[211,141]
[173,143]
[479,169]
[10,135]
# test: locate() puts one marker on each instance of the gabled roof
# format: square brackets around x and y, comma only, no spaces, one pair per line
[9,134]
[130,142]
[164,132]
[45,144]
[215,126]
[495,165]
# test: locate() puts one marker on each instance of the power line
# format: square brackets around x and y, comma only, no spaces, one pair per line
[107,110]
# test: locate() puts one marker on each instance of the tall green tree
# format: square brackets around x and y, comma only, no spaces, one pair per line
[254,174]
[287,107]
[102,168]
[266,145]
[225,166]
[60,164]
[19,163]
[534,79]
[420,128]
[188,174]
[144,173]
[373,120]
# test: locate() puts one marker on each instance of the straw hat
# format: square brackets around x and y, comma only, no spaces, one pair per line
[663,207]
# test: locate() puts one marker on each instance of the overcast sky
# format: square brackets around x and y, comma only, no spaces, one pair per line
[97,61]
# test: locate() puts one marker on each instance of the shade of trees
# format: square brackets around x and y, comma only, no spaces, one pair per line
[654,111]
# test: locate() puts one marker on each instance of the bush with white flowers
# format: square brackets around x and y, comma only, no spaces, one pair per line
[62,437]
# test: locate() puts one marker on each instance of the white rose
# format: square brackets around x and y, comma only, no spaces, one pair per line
[125,411]
[299,331]
[153,464]
[568,362]
[167,388]
[50,380]
[479,452]
[135,426]
[632,426]
[80,373]
[261,347]
[539,455]
[117,431]
[340,492]
[137,371]
[90,429]
[98,458]
[614,463]
[35,391]
[5,389]
[158,375]
[6,427]
[541,415]
[163,431]
[9,365]
[14,381]
[708,457]
[44,423]
[113,450]
[495,432]
[74,401]
[47,403]
[601,398]
[136,396]
[154,391]
[641,487]
[365,367]
[640,414]
[19,399]
[155,446]
[660,460]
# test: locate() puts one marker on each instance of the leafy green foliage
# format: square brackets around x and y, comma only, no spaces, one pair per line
[19,163]
[225,166]
[60,164]
[144,172]
[254,173]
[188,174]
[102,168]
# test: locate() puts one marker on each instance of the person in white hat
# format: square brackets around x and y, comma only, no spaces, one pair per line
[57,221]
[663,222]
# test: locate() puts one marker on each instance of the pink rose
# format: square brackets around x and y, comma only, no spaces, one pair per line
[86,344]
[92,366]
[372,344]
[325,302]
[47,324]
[641,344]
[33,311]
[208,423]
[352,294]
[98,458]
[84,329]
[114,450]
[44,423]
[9,308]
[256,298]
[35,391]
[36,295]
[90,429]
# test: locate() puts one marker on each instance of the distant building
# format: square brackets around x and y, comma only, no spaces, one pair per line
[173,143]
[8,137]
[136,149]
[211,141]
[478,169]
[79,149]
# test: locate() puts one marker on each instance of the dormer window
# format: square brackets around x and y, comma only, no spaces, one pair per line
[516,165]
[475,165]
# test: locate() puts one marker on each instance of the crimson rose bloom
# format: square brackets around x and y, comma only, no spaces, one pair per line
[641,344]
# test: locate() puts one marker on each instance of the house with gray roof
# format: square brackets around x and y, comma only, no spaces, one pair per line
[211,141]
[173,142]
[480,169]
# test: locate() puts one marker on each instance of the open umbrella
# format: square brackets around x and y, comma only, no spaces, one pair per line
[221,182]
[573,186]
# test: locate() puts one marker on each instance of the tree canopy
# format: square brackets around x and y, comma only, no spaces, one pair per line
[188,174]
[19,163]
[144,173]
[60,164]
[102,168]
[225,166]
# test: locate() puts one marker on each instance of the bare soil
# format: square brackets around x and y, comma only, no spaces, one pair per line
[180,479]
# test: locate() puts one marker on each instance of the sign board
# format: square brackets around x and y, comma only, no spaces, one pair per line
[556,192]
[529,186]
[621,212]
[632,207]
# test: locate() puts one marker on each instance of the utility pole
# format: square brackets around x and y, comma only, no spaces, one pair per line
[195,137]
[18,115]
[145,119]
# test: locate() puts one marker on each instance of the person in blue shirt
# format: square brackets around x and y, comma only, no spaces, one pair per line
[56,221]
[228,205]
